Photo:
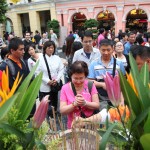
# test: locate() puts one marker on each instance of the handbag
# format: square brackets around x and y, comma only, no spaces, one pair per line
[58,86]
[82,114]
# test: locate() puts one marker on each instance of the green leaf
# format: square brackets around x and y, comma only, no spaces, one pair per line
[147,125]
[113,135]
[30,98]
[13,130]
[24,86]
[145,141]
[40,145]
[7,106]
[140,118]
[106,137]
[130,96]
[144,74]
[142,90]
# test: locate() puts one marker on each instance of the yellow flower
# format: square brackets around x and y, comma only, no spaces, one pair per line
[5,92]
[131,82]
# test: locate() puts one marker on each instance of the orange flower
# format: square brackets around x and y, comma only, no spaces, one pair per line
[114,115]
[5,92]
[131,82]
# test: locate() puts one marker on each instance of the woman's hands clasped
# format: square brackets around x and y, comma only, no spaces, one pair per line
[52,82]
[79,100]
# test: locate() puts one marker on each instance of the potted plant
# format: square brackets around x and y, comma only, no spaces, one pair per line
[135,132]
[92,25]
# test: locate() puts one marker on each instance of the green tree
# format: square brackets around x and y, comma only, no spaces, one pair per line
[54,24]
[92,25]
[3,10]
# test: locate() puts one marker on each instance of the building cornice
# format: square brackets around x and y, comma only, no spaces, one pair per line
[49,3]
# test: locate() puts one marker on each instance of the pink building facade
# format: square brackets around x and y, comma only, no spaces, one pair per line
[65,10]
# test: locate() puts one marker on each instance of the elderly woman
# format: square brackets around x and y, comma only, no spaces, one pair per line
[119,48]
[76,99]
[52,68]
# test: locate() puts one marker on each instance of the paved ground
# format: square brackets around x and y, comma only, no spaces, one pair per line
[61,54]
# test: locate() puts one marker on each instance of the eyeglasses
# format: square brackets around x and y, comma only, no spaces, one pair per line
[78,79]
[86,42]
[119,45]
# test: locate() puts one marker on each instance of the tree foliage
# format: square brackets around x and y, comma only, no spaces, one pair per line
[54,24]
[3,10]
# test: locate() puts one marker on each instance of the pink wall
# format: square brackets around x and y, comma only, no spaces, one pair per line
[119,8]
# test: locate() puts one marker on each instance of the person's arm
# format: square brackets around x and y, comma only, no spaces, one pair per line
[66,109]
[60,70]
[98,84]
[39,69]
[30,64]
[75,57]
[94,104]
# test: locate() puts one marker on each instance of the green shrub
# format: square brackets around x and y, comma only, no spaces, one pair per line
[54,24]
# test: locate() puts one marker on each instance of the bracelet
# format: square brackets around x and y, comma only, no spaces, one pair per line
[74,104]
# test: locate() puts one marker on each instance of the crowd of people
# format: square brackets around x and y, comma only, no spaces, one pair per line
[84,92]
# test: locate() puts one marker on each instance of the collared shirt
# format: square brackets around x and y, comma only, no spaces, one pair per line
[97,69]
[56,69]
[16,61]
[81,56]
[127,48]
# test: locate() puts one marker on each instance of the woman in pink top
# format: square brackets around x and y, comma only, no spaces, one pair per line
[83,100]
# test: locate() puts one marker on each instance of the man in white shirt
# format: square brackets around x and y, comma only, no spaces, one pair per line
[88,53]
[54,37]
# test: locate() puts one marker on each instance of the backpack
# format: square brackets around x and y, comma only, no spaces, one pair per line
[90,84]
[12,67]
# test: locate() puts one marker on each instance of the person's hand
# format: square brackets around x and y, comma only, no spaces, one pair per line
[50,82]
[54,83]
[80,101]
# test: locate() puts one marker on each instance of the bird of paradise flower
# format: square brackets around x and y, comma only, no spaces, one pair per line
[5,91]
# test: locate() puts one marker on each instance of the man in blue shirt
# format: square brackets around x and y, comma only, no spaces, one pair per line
[106,63]
[131,40]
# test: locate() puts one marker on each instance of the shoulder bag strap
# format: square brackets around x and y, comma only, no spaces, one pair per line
[48,70]
[73,88]
[90,84]
[75,93]
[114,67]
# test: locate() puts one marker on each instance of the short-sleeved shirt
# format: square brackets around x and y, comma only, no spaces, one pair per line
[68,96]
[81,56]
[97,69]
[127,48]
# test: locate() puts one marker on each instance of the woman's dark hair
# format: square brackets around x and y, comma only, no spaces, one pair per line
[48,44]
[76,46]
[79,67]
[69,41]
[28,47]
[4,52]
[139,39]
